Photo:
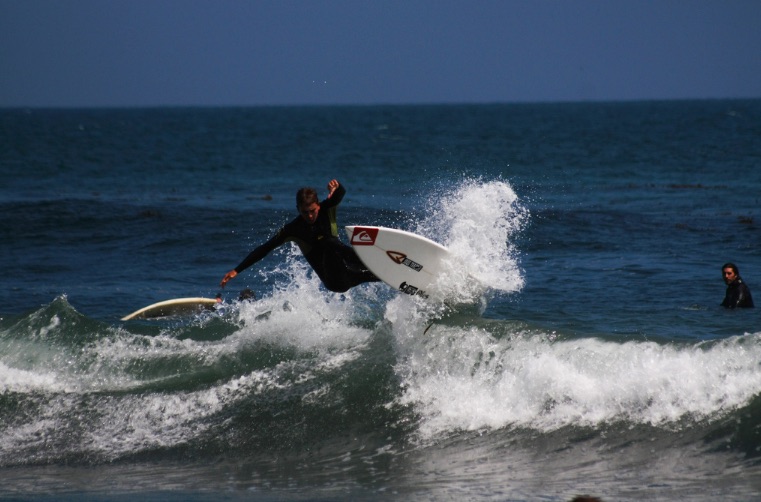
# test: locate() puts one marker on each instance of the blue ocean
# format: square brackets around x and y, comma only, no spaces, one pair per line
[586,353]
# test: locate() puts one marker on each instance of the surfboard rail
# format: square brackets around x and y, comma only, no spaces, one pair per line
[173,307]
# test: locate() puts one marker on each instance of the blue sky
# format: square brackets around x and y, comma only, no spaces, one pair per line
[263,52]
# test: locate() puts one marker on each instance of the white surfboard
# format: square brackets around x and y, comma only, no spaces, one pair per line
[403,260]
[175,307]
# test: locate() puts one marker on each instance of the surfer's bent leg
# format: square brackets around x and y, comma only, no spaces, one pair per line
[343,269]
[354,266]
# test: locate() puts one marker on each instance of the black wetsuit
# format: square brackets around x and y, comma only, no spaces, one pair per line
[737,296]
[335,263]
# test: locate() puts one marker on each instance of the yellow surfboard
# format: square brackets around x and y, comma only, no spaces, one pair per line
[175,307]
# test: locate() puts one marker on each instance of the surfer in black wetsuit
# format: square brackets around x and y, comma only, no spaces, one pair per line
[738,294]
[315,231]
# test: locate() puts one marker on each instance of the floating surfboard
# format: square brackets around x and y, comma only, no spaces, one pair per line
[403,260]
[175,307]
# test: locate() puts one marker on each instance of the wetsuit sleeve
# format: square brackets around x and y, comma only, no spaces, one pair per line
[262,251]
[329,207]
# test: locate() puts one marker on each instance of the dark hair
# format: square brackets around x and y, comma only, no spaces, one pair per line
[246,294]
[306,197]
[732,266]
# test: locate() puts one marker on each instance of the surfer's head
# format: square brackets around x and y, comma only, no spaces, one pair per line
[308,204]
[730,272]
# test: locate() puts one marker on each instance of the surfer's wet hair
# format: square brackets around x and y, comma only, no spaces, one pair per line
[732,266]
[306,197]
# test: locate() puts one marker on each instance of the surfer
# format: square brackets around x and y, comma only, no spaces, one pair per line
[315,231]
[738,294]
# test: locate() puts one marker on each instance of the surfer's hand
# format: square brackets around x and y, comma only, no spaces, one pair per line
[332,185]
[227,277]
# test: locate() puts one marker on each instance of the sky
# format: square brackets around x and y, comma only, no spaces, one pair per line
[144,53]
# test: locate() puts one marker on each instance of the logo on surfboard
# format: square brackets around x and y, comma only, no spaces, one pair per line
[364,236]
[401,259]
[412,290]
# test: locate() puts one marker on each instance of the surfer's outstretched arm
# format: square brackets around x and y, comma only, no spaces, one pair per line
[254,256]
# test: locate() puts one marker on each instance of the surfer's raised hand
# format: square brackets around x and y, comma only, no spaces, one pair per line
[332,185]
[227,277]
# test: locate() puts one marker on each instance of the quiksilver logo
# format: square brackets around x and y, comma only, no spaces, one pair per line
[364,236]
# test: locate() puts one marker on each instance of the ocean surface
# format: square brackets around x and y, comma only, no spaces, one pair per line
[587,355]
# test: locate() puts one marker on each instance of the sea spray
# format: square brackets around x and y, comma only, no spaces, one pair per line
[478,221]
[299,312]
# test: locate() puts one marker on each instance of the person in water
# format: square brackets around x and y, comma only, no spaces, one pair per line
[315,231]
[738,294]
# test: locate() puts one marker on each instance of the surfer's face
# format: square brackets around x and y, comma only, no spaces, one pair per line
[729,275]
[310,212]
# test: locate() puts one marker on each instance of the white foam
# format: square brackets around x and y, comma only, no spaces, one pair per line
[120,424]
[23,381]
[55,323]
[465,379]
[302,315]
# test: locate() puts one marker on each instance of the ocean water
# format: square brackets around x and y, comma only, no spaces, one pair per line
[585,354]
